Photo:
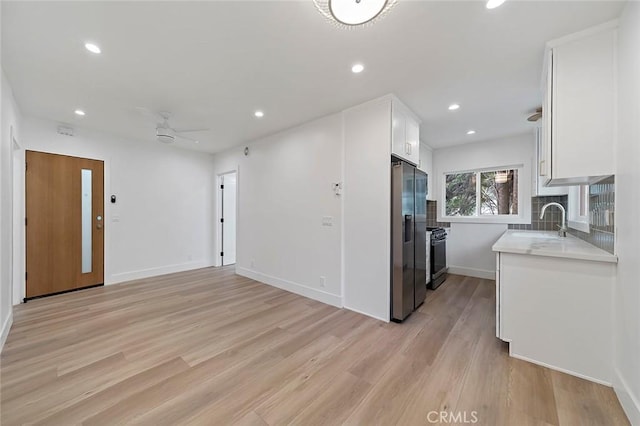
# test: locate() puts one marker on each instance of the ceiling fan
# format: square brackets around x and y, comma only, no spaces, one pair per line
[536,116]
[164,132]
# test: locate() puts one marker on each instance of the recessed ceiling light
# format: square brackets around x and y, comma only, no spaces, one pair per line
[453,107]
[79,112]
[471,132]
[197,141]
[92,48]
[259,114]
[357,68]
[492,4]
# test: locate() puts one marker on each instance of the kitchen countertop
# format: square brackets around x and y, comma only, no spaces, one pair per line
[548,243]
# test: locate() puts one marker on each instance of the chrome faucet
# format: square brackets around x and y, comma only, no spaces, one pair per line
[563,227]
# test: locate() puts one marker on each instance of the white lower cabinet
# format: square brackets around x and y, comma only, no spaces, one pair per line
[557,312]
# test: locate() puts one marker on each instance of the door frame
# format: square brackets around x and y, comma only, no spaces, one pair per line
[218,198]
[19,188]
[18,232]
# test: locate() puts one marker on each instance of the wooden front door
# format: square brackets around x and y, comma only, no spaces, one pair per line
[64,222]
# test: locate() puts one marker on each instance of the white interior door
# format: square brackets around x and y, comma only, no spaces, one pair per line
[228,223]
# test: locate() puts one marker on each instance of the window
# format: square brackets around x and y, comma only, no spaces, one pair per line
[483,194]
[578,209]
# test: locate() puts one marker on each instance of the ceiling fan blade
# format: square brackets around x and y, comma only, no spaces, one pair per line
[178,135]
[536,116]
[202,129]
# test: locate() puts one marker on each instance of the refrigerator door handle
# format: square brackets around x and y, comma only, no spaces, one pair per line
[408,228]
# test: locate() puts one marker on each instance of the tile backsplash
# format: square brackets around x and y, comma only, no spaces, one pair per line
[432,215]
[601,215]
[602,197]
[552,217]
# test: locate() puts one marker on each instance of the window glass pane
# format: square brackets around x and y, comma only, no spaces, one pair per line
[499,192]
[461,194]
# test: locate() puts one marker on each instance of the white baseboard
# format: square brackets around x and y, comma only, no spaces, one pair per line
[472,272]
[4,333]
[562,370]
[153,272]
[630,402]
[367,314]
[302,290]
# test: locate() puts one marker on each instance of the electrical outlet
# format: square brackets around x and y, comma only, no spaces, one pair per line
[323,281]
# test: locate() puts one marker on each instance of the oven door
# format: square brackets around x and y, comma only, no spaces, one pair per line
[438,258]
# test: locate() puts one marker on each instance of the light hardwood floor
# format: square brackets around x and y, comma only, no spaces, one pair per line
[209,347]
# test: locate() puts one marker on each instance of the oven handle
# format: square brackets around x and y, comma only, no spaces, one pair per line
[437,242]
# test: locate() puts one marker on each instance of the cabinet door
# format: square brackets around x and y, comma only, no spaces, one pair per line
[544,152]
[498,298]
[412,143]
[398,132]
[538,181]
[583,105]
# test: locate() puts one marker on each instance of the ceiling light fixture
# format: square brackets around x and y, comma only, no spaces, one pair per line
[492,4]
[353,13]
[79,112]
[92,48]
[454,107]
[471,132]
[259,114]
[357,68]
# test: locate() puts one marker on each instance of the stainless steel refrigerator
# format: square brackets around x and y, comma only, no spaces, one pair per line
[408,238]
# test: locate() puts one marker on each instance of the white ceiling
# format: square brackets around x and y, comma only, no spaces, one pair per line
[214,63]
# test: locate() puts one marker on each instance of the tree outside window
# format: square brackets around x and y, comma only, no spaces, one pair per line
[494,191]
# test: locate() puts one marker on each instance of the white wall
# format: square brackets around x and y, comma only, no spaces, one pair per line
[10,129]
[627,288]
[469,244]
[163,219]
[367,209]
[284,191]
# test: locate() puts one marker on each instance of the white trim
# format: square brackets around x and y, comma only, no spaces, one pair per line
[580,226]
[562,370]
[154,272]
[497,219]
[472,272]
[290,286]
[367,314]
[629,401]
[6,327]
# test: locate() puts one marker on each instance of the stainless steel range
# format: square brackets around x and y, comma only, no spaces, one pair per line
[438,256]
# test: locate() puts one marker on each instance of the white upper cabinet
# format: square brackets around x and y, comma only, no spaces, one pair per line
[405,133]
[426,165]
[538,176]
[578,108]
